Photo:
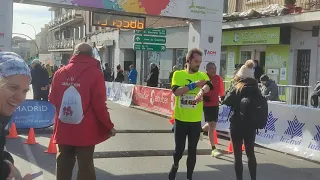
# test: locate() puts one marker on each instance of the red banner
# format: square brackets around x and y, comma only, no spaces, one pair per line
[154,99]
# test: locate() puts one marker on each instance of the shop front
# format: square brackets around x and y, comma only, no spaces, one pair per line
[270,46]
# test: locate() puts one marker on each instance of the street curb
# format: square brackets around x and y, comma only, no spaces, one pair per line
[150,112]
[134,131]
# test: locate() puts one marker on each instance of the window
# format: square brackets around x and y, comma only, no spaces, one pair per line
[245,55]
[180,57]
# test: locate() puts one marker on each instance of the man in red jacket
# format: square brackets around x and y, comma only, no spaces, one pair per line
[77,140]
[211,104]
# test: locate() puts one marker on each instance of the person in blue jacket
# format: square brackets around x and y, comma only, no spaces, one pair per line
[133,74]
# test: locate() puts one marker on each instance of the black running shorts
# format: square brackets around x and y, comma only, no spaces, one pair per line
[211,113]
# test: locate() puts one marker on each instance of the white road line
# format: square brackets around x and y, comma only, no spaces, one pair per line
[32,160]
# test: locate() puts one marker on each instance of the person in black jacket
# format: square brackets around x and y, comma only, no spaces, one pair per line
[15,79]
[120,76]
[107,73]
[40,81]
[153,78]
[258,70]
[242,129]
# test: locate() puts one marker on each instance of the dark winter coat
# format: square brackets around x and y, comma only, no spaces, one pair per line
[233,98]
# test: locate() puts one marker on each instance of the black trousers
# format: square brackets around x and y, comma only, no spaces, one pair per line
[182,130]
[247,136]
[40,95]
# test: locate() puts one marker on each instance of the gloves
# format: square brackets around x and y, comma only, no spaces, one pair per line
[192,86]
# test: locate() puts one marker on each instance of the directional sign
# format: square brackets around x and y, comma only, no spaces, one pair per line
[150,31]
[150,39]
[149,47]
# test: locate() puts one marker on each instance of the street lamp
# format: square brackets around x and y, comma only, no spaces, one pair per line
[35,34]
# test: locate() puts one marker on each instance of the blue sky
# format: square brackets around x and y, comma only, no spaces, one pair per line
[38,16]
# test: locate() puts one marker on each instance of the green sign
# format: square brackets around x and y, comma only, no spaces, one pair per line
[150,31]
[251,36]
[149,47]
[150,39]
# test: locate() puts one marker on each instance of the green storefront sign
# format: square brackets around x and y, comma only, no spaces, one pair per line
[251,36]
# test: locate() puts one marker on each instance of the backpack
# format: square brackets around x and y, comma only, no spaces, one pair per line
[71,110]
[255,110]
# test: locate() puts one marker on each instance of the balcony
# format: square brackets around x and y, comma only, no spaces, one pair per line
[61,45]
[252,9]
[71,18]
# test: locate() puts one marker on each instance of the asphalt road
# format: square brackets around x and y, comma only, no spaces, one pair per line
[142,151]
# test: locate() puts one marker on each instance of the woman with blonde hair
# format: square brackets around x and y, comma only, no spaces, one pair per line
[242,129]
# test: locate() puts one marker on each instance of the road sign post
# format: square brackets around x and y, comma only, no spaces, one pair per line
[149,40]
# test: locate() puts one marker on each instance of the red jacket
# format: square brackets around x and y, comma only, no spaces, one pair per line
[216,92]
[96,123]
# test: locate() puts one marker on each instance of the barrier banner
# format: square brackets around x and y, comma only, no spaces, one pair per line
[154,99]
[223,118]
[33,114]
[120,93]
[292,129]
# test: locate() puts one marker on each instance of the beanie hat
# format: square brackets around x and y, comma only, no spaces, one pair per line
[245,72]
[36,61]
[12,64]
[264,78]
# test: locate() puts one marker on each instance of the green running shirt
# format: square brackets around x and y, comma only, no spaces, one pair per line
[186,109]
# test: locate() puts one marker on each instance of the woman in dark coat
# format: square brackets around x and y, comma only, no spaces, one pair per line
[153,78]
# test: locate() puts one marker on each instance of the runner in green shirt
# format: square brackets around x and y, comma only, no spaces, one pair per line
[188,86]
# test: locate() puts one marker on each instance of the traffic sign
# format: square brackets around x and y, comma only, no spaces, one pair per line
[151,31]
[150,39]
[149,47]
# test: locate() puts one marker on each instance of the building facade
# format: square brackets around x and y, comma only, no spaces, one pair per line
[283,37]
[67,28]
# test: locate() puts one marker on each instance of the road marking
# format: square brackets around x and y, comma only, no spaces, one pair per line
[32,160]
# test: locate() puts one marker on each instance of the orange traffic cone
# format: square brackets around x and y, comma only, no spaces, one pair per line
[172,119]
[215,137]
[13,132]
[52,148]
[243,148]
[230,148]
[31,137]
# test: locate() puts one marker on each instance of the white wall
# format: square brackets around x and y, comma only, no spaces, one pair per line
[112,35]
[166,64]
[303,40]
[200,34]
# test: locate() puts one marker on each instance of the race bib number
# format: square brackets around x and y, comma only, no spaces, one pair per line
[188,101]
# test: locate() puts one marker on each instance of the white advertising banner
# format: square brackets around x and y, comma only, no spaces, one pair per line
[120,93]
[6,10]
[290,129]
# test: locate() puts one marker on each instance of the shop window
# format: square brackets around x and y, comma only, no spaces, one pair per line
[245,55]
[180,57]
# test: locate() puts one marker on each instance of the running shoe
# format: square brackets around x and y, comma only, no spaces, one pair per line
[216,153]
